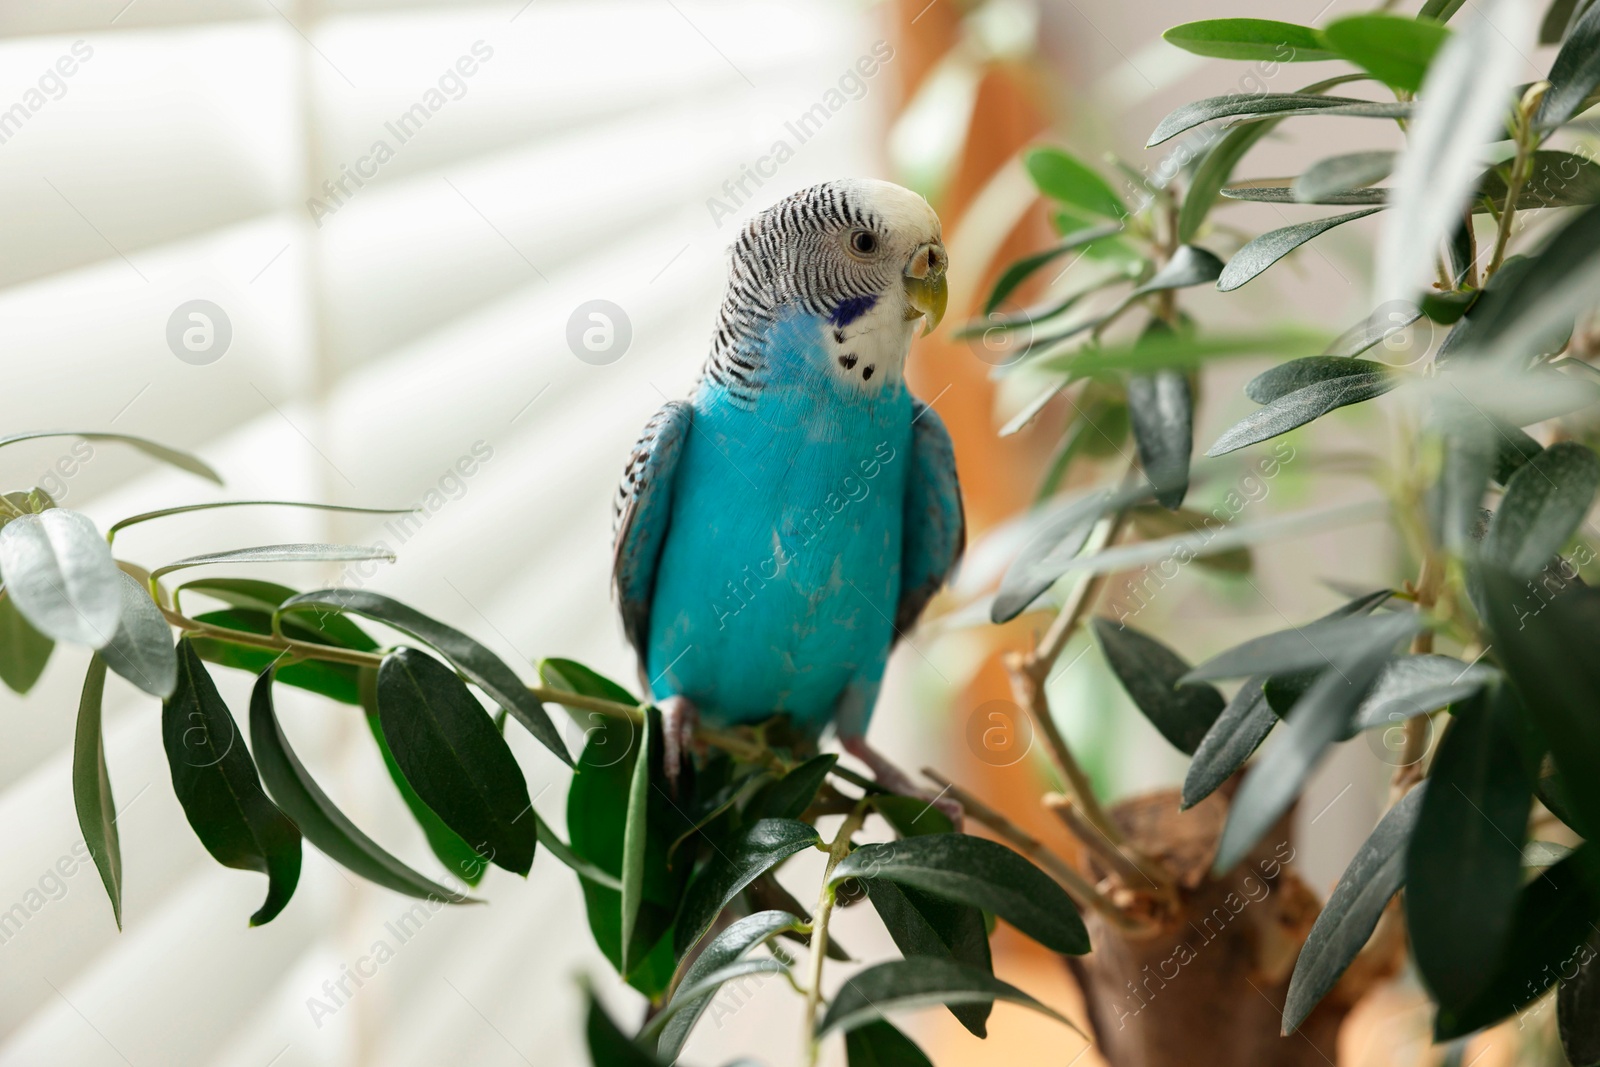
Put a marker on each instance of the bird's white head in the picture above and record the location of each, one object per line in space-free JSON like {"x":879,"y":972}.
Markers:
{"x":864,"y":258}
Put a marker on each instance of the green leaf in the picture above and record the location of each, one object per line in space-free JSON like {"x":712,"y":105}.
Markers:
{"x":1440,"y":10}
{"x":215,"y":780}
{"x":1555,"y":913}
{"x":1464,"y":863}
{"x":924,"y":925}
{"x":1249,"y":107}
{"x":791,"y":795}
{"x":1341,"y":174}
{"x":1463,"y":105}
{"x":1285,"y":378}
{"x":296,"y":553}
{"x":24,"y":651}
{"x":483,"y":668}
{"x":300,"y":798}
{"x":1236,"y":734}
{"x":1318,"y":719}
{"x":981,"y":873}
{"x":1544,"y":503}
{"x":902,"y":985}
{"x":1374,"y":875}
{"x":1064,"y":178}
{"x":1024,"y":268}
{"x":1547,"y":647}
{"x":1533,"y":308}
{"x":1303,"y":405}
{"x":455,"y":759}
{"x":1555,"y":179}
{"x":1396,"y":49}
{"x":1574,"y":74}
{"x":1578,"y":1010}
{"x":1190,"y":265}
{"x":1387,"y":320}
{"x":1262,"y":252}
{"x":634,"y":835}
{"x":1557,"y":18}
{"x":761,"y":847}
{"x":608,"y":1045}
{"x":879,"y":1044}
{"x":142,"y":650}
{"x":1150,"y":671}
{"x":574,"y":677}
{"x":1308,"y":647}
{"x":1161,"y":409}
{"x":1285,"y":194}
{"x":1415,"y":685}
{"x":182,"y":460}
{"x":1156,"y":523}
{"x":911,"y":816}
{"x":59,"y":574}
{"x":733,"y":944}
{"x":254,"y":595}
{"x":146,"y":516}
{"x":1048,"y":553}
{"x":458,"y":857}
{"x":91,"y":788}
{"x":1179,"y":349}
{"x":1251,"y":39}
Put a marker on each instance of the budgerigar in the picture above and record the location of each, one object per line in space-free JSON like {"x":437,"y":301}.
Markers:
{"x":778,"y":532}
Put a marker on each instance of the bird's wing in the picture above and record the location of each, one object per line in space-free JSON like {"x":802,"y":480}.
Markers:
{"x":935,"y":525}
{"x":643,"y":512}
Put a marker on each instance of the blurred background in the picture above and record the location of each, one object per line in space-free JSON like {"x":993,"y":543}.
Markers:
{"x":393,"y":218}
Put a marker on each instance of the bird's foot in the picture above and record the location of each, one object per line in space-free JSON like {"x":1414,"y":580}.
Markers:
{"x":679,"y":720}
{"x":895,"y":780}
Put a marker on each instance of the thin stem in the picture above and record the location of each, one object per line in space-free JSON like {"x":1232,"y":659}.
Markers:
{"x":837,"y":850}
{"x":1527,"y":139}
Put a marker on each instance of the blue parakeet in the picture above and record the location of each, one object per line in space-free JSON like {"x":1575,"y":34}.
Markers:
{"x":780,"y":531}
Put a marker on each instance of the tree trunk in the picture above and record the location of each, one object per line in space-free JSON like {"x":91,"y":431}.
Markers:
{"x":1205,"y":981}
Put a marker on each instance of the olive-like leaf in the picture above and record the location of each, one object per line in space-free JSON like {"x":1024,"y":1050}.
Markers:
{"x":608,"y":1045}
{"x":1161,"y":408}
{"x":791,"y":795}
{"x":1463,"y":103}
{"x":1024,"y":268}
{"x":1150,"y":671}
{"x":1285,"y":378}
{"x":264,"y":598}
{"x":1382,"y":324}
{"x":1262,"y":252}
{"x":1236,"y":734}
{"x":763,"y":846}
{"x":1317,"y":720}
{"x":1304,"y":405}
{"x":981,"y":873}
{"x":59,"y":574}
{"x":1558,"y":18}
{"x":1395,"y":48}
{"x":1247,"y":107}
{"x":142,"y":650}
{"x":1415,"y":685}
{"x":455,"y":759}
{"x":24,"y":651}
{"x":879,"y":1044}
{"x":294,"y":553}
{"x":182,"y":460}
{"x":1555,"y":913}
{"x":184,"y":509}
{"x":1251,"y":39}
{"x":733,"y":944}
{"x":218,"y":787}
{"x":1285,"y":194}
{"x":635,"y":834}
{"x":1544,"y":503}
{"x":924,"y":925}
{"x":1574,"y":74}
{"x":486,"y":670}
{"x":1464,"y":863}
{"x":1049,"y":552}
{"x":1374,"y":875}
{"x":339,"y":681}
{"x":1341,"y":174}
{"x":1309,"y":647}
{"x":91,"y":787}
{"x":902,"y":985}
{"x":311,"y":810}
{"x":1063,"y":177}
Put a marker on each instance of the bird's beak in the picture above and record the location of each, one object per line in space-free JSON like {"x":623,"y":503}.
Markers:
{"x":926,"y":289}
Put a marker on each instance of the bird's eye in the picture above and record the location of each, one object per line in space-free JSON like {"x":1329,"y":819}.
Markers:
{"x":864,"y":242}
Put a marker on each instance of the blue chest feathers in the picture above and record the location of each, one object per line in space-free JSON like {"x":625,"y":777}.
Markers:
{"x":780,"y":573}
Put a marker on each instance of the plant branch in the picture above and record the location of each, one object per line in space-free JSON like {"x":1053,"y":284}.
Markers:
{"x":837,"y":850}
